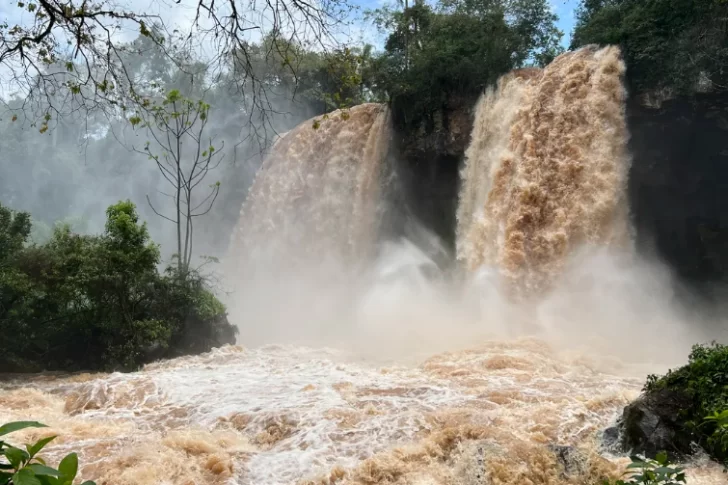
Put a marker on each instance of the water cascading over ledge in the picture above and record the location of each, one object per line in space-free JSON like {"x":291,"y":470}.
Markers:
{"x":546,"y":170}
{"x":318,"y":193}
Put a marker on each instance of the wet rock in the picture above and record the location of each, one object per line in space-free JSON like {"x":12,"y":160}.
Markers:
{"x":610,"y":439}
{"x":469,"y":466}
{"x":87,"y":397}
{"x":652,"y":424}
{"x":570,"y":458}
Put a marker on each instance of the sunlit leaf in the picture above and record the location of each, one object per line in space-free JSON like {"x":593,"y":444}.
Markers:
{"x":39,"y":445}
{"x":69,"y":466}
{"x":44,"y":470}
{"x":18,"y":425}
{"x":25,"y":477}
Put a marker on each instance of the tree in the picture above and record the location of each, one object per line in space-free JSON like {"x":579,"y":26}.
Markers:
{"x":678,"y":46}
{"x":178,"y":127}
{"x":14,"y":231}
{"x":455,"y":49}
{"x":69,"y":57}
{"x":98,"y":302}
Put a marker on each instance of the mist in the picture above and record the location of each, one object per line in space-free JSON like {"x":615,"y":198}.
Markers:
{"x":89,"y":160}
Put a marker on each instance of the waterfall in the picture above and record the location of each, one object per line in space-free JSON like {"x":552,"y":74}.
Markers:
{"x":317,"y":194}
{"x":546,"y":170}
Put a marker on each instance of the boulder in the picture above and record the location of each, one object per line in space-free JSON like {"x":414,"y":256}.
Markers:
{"x":610,"y":441}
{"x":572,"y":460}
{"x":653,"y":423}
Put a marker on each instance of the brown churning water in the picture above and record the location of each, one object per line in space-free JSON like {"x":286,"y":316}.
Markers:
{"x":546,"y":170}
{"x":318,"y":190}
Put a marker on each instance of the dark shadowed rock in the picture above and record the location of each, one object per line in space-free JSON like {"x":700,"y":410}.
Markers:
{"x":610,"y":439}
{"x":652,"y":424}
{"x":571,"y":459}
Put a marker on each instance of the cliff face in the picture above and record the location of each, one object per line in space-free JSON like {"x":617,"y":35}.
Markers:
{"x":678,"y":184}
{"x":427,"y":158}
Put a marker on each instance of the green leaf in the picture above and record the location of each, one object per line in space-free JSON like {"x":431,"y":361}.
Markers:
{"x":5,"y":478}
{"x":39,"y":445}
{"x":25,"y":477}
{"x":661,"y":458}
{"x":88,"y":482}
{"x":16,"y":456}
{"x":69,"y":466}
{"x":18,"y":425}
{"x":47,"y":480}
{"x":43,"y":470}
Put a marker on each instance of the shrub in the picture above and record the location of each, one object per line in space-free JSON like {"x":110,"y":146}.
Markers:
{"x":25,"y":467}
{"x":98,"y":302}
{"x":718,"y":439}
{"x":705,"y":381}
{"x":643,"y":471}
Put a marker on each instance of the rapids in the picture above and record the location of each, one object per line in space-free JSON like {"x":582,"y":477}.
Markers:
{"x":286,"y":414}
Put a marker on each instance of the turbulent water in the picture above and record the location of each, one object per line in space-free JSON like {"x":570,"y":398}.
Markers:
{"x":547,"y":169}
{"x":295,"y":415}
{"x":407,"y":378}
{"x":318,"y":190}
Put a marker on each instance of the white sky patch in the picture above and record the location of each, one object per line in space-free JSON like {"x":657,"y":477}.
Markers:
{"x":181,"y":16}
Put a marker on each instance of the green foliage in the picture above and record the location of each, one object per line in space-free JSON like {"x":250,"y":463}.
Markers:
{"x":14,"y":231}
{"x":456,"y":48}
{"x":41,"y":232}
{"x":98,"y":302}
{"x":676,"y":45}
{"x":324,"y":81}
{"x":643,"y":471}
{"x":705,"y":381}
{"x":718,"y":439}
{"x":25,"y":467}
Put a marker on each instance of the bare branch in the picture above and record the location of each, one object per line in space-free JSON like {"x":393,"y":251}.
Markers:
{"x":155,"y":211}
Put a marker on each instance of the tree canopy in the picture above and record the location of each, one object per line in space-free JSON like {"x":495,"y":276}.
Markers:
{"x":456,"y":48}
{"x":680,"y":46}
{"x":98,"y":302}
{"x":70,"y":55}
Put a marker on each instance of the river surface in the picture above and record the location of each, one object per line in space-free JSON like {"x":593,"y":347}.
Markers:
{"x":292,"y":414}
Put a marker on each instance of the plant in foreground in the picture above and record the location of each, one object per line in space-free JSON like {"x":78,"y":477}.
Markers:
{"x":719,"y":439}
{"x":644,"y":471}
{"x":25,"y":467}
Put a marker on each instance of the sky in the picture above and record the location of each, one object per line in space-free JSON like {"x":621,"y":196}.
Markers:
{"x":182,"y":13}
{"x":564,"y":9}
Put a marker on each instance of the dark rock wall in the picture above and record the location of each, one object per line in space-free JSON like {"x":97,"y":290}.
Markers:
{"x":678,"y":185}
{"x":428,"y":158}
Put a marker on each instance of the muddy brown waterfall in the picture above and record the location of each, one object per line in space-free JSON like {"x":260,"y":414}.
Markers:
{"x":317,"y":193}
{"x":546,"y":170}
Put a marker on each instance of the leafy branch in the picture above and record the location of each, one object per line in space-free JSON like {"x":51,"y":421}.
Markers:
{"x":25,"y":467}
{"x":184,"y":157}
